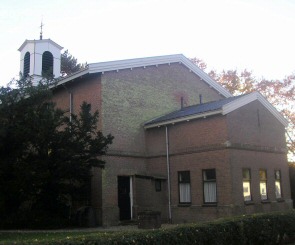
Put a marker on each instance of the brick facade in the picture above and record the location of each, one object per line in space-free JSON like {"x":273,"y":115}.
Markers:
{"x":227,"y":144}
{"x":249,"y":137}
{"x":263,"y":146}
{"x":130,"y":98}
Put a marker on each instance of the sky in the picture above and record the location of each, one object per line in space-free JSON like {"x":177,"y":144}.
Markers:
{"x":258,"y":35}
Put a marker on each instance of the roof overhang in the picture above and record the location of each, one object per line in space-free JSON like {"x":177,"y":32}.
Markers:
{"x":244,"y":100}
{"x":40,"y":41}
{"x":225,"y":109}
{"x":102,"y":67}
{"x":73,"y":76}
{"x":183,"y":119}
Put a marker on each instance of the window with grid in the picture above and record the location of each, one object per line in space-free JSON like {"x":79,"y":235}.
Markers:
{"x":263,"y":184}
{"x":209,"y":184}
{"x":278,"y":184}
{"x":184,"y":184}
{"x":247,"y":184}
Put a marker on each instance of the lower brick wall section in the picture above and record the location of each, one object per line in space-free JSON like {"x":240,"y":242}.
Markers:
{"x":228,"y":164}
{"x":254,"y":161}
{"x":193,"y":214}
{"x":199,"y":213}
{"x":110,"y":215}
{"x":265,"y":207}
{"x":147,"y":198}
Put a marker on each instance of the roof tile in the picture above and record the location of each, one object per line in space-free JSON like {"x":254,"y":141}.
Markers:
{"x":194,"y":110}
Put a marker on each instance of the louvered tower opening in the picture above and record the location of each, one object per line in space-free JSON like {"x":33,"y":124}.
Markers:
{"x":26,"y":70}
{"x":47,"y":64}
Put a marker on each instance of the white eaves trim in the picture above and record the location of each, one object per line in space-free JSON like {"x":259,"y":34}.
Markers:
{"x":204,"y":76}
{"x":149,"y":61}
{"x":244,"y":100}
{"x":183,"y":119}
{"x":39,"y":41}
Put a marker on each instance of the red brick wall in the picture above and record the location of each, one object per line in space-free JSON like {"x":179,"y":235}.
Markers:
{"x":245,"y":126}
{"x":266,"y":137}
{"x":255,"y":161}
{"x":193,"y":146}
{"x":147,"y":198}
{"x":188,"y":136}
{"x":87,"y":89}
{"x":128,"y":98}
{"x":200,"y":144}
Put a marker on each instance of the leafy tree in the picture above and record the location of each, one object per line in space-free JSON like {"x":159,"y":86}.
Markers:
{"x":45,"y":157}
{"x":281,"y":93}
{"x":69,"y":64}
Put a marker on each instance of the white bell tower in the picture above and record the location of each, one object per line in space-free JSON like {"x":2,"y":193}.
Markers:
{"x":39,"y":58}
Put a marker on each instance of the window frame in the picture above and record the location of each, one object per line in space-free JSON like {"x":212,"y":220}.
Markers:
{"x":263,"y":180}
{"x":279,"y":180}
{"x":185,"y":181}
{"x":209,"y":181}
{"x":247,"y":180}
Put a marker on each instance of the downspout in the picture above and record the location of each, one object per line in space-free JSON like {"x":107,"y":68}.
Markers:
{"x":131,"y":196}
{"x":71,"y":105}
{"x":70,"y":101}
{"x":168,"y":175}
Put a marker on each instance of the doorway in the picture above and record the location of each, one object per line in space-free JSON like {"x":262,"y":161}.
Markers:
{"x":125,"y":197}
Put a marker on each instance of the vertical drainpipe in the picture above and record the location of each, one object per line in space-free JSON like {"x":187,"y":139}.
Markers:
{"x":168,"y":175}
{"x":71,"y":105}
{"x":131,"y":196}
{"x":70,"y":101}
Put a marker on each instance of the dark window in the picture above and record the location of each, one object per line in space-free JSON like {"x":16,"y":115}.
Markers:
{"x":27,"y":64}
{"x":184,"y":184}
{"x":209,"y":183}
{"x":158,"y":185}
{"x":247,"y":184}
{"x":47,"y":64}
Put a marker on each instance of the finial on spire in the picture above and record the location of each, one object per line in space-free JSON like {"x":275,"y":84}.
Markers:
{"x":41,"y":32}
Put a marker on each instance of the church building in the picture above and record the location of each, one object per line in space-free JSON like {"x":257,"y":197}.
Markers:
{"x":183,"y":144}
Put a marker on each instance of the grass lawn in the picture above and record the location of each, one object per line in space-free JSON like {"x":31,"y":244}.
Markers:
{"x":45,"y":237}
{"x":52,"y":237}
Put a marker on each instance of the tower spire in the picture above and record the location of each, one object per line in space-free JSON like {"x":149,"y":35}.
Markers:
{"x":41,"y":32}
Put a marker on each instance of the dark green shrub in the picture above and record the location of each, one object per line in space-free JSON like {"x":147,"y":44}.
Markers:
{"x":264,"y":229}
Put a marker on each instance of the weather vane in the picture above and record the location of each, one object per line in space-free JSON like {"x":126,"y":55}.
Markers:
{"x":41,"y":32}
